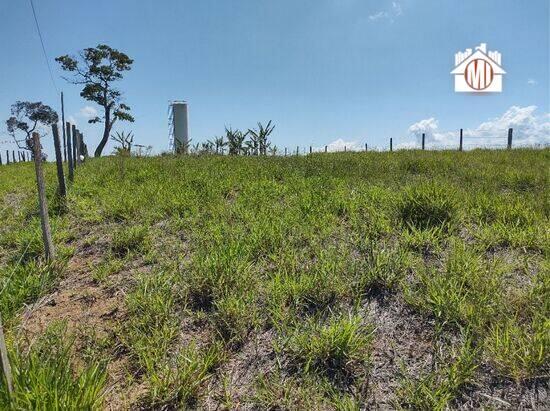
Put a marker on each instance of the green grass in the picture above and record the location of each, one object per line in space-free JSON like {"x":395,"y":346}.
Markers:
{"x":44,"y":377}
{"x":296,"y":247}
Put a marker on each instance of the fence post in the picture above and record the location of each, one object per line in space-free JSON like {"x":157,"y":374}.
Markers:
{"x":423,"y":141}
{"x":510,"y":131}
{"x":285,"y":151}
{"x":345,"y":149}
{"x":69,"y":151}
{"x":391,"y":144}
{"x":78,"y":148}
{"x":310,"y":150}
{"x":63,"y":127}
{"x":460,"y":147}
{"x":74,"y":145}
{"x":0,"y":159}
{"x":297,"y":150}
{"x":326,"y":149}
{"x":13,"y":156}
{"x":366,"y":147}
{"x":5,"y":360}
{"x":59,"y":162}
{"x":46,"y":233}
{"x":7,"y":157}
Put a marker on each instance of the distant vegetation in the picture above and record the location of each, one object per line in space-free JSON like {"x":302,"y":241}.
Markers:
{"x":253,"y":142}
{"x":410,"y":279}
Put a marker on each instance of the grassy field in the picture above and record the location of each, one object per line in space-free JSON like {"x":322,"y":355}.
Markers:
{"x":415,"y":280}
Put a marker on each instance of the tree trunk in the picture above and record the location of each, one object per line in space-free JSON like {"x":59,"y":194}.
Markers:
{"x":106,"y":132}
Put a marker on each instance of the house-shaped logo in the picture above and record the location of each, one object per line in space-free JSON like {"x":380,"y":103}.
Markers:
{"x":478,"y":71}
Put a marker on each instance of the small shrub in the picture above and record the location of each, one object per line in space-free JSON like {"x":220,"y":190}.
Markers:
{"x":427,"y":205}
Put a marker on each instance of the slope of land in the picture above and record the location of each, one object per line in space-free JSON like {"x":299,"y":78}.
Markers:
{"x":332,"y":281}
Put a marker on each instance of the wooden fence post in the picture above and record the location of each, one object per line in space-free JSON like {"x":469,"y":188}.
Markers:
{"x":510,"y":131}
{"x":285,"y":151}
{"x":13,"y":155}
{"x":7,"y":157}
{"x":69,"y":152}
{"x":5,"y":360}
{"x":63,"y":127}
{"x":366,"y":147}
{"x":74,"y":144}
{"x":59,"y":162}
{"x":0,"y":159}
{"x":391,"y":144}
{"x":49,"y":250}
{"x":460,"y":146}
{"x":423,"y":141}
{"x":326,"y":149}
{"x":78,"y":146}
{"x":297,"y":150}
{"x":345,"y":149}
{"x":310,"y":150}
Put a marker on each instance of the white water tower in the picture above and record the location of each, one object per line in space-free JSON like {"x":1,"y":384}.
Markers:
{"x":179,"y":126}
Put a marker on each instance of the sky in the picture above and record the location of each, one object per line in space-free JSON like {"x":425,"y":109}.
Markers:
{"x":326,"y":72}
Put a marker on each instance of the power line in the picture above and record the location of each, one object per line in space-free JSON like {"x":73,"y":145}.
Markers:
{"x":43,"y":48}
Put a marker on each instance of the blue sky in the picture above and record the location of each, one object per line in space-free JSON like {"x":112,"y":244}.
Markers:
{"x":322,"y":70}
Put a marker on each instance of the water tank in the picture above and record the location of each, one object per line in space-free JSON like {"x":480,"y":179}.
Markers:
{"x":180,"y":126}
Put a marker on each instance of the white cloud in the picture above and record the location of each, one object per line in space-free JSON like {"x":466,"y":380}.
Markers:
{"x":395,"y":11}
{"x":379,"y":15}
{"x":529,"y":129}
{"x":532,"y":82}
{"x":340,"y":145}
{"x":88,"y":112}
{"x":396,"y":8}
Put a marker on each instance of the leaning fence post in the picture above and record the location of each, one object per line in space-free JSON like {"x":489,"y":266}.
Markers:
{"x":59,"y":161}
{"x":391,"y":144}
{"x":510,"y":131}
{"x":423,"y":141}
{"x":44,"y":220}
{"x":5,"y":359}
{"x":69,"y":151}
{"x":460,"y":147}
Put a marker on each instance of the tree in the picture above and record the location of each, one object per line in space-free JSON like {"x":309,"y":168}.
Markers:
{"x":26,"y":117}
{"x":259,"y":138}
{"x":235,"y":140}
{"x":97,"y":68}
{"x":220,"y":144}
{"x":125,"y":140}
